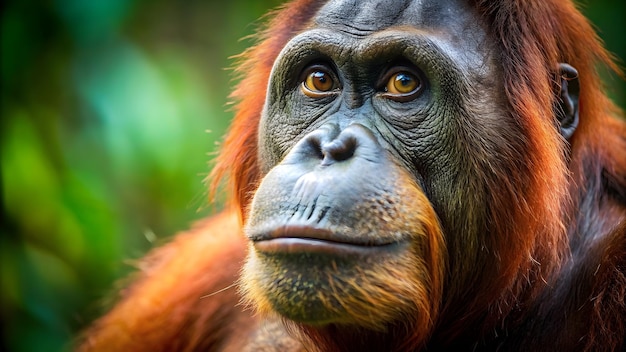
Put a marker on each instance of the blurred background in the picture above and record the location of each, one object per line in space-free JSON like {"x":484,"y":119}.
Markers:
{"x":111,"y":110}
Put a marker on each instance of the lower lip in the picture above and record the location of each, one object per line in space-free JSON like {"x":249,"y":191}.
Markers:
{"x":296,"y":245}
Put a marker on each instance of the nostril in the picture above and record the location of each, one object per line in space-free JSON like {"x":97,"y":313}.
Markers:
{"x":311,"y":148}
{"x":340,"y":149}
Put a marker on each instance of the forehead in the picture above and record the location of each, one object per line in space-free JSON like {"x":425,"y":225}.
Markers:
{"x":452,"y":26}
{"x":362,"y":16}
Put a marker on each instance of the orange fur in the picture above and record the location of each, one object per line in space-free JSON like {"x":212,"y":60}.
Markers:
{"x":184,"y":297}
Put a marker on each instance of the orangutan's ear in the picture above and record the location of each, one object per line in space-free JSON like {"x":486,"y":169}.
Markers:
{"x":567,"y":105}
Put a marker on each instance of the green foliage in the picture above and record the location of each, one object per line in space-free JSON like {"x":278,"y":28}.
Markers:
{"x":105,"y":111}
{"x":106,"y":106}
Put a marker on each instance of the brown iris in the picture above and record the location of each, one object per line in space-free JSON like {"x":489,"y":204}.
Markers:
{"x":318,"y":82}
{"x":402,"y":83}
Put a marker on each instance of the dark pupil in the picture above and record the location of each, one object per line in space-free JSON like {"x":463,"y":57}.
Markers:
{"x":320,"y":76}
{"x":404,"y":79}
